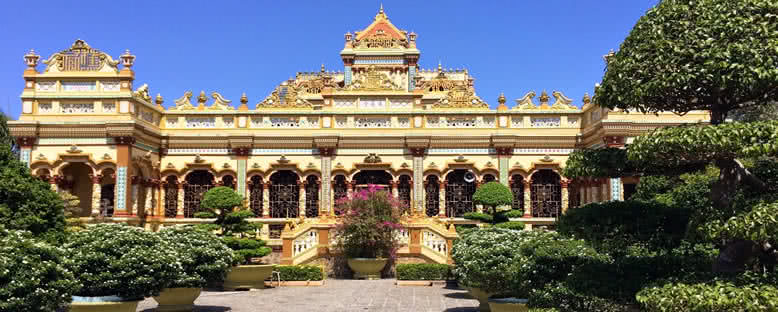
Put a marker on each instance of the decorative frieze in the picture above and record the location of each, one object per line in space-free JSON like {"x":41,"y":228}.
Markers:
{"x":341,"y":122}
{"x":76,"y":141}
{"x":372,"y":103}
{"x":171,"y":121}
{"x":400,"y":103}
{"x":78,"y":86}
{"x":434,"y":121}
{"x":284,"y":151}
{"x":310,"y":122}
{"x":545,"y":122}
{"x":200,"y":122}
{"x":344,"y":103}
{"x":110,"y":85}
{"x":109,"y":107}
{"x":572,"y":121}
{"x":543,"y":151}
{"x":229,"y":122}
{"x":488,"y":122}
{"x":45,"y":108}
{"x":373,"y":122}
{"x":78,"y":108}
{"x":46,"y":86}
{"x":517,"y":121}
{"x":456,"y":151}
{"x":284,"y":122}
{"x":461,"y":122}
{"x":192,"y":151}
{"x":147,"y":116}
{"x":403,"y":122}
{"x":121,"y":188}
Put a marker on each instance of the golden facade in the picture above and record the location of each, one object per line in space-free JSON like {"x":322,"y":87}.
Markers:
{"x":425,"y":134}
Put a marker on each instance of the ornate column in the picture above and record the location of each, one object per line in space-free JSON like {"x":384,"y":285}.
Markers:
{"x":180,"y":204}
{"x":503,"y":157}
{"x":326,"y":197}
{"x":394,"y":188}
{"x":148,"y":206}
{"x":162,"y":198}
{"x":442,"y":199}
{"x":350,"y":188}
{"x":527,"y":199}
{"x":266,"y":199}
{"x":331,"y":212}
{"x":604,"y":190}
{"x":96,"y":194}
{"x":565,"y":195}
{"x":134,"y":180}
{"x":26,"y":144}
{"x":478,"y":207}
{"x":418,"y":179}
{"x":616,"y":188}
{"x":123,"y":174}
{"x":54,"y":181}
{"x":242,"y":156}
{"x":301,"y":201}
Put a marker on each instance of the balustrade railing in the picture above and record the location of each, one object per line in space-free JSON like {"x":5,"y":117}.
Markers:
{"x":435,"y":242}
{"x":305,"y":242}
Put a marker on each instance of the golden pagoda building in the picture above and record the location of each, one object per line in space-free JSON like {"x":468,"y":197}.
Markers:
{"x":88,"y":128}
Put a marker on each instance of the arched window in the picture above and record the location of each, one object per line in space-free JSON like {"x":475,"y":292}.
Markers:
{"x":107,"y":191}
{"x":517,"y":187}
{"x":256,"y":188}
{"x":284,"y":195}
{"x":372,"y":177}
{"x":404,"y":192}
{"x":78,"y":183}
{"x":432,"y":189}
{"x":171,"y":197}
{"x":489,"y":178}
{"x":339,"y":190}
{"x":546,"y":194}
{"x":312,"y":196}
{"x":197,"y":183}
{"x":459,"y":194}
{"x":574,"y":194}
{"x":228,"y":181}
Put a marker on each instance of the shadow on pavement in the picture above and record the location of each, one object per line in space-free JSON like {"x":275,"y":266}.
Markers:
{"x":200,"y":308}
{"x":473,"y":309}
{"x":458,"y":295}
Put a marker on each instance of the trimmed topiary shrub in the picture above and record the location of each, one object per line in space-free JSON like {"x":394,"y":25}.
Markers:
{"x":511,"y":225}
{"x":493,"y":194}
{"x":33,"y":276}
{"x":300,"y":272}
{"x":204,"y":257}
{"x":423,"y":271}
{"x":563,"y":299}
{"x":485,"y":258}
{"x":513,"y":213}
{"x":717,"y":296}
{"x":221,"y":198}
{"x":119,"y":260}
{"x":237,"y":232}
{"x":479,"y":216}
{"x":246,"y":249}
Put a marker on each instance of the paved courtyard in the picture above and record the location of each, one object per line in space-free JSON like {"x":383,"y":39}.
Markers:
{"x":335,"y":295}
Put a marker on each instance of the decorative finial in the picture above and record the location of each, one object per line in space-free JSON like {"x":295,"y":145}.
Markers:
{"x":159,"y":100}
{"x":202,"y":98}
{"x":381,"y":10}
{"x":501,"y":99}
{"x":587,"y":99}
{"x":127,"y":59}
{"x":31,"y":58}
{"x":440,"y":66}
{"x":244,"y":99}
{"x":322,"y":68}
{"x":544,"y":97}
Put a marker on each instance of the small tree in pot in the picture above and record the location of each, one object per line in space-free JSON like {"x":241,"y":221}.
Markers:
{"x":365,"y":233}
{"x":118,"y":265}
{"x":205,"y":260}
{"x":240,"y":236}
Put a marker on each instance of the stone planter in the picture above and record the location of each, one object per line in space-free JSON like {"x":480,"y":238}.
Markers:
{"x":482,"y":297}
{"x":248,"y":276}
{"x":177,"y":299}
{"x":508,"y":305}
{"x":103,"y":304}
{"x":367,"y":268}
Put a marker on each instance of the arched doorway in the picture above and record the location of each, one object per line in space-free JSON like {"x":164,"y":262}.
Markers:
{"x":197,"y":183}
{"x":404,"y":193}
{"x":228,"y":181}
{"x":284,"y":195}
{"x":339,"y":191}
{"x":432,"y":189}
{"x":107,"y":191}
{"x":459,"y":194}
{"x":171,"y":196}
{"x":488,"y":178}
{"x":77,"y":182}
{"x":372,"y":177}
{"x":517,"y":188}
{"x":256,"y":195}
{"x":312,"y":196}
{"x":546,"y":194}
{"x":139,"y":185}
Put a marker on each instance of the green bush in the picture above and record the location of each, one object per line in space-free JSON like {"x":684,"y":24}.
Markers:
{"x":33,"y":276}
{"x":119,"y":260}
{"x":479,"y":217}
{"x":513,"y":213}
{"x":423,"y":271}
{"x":300,"y":272}
{"x":717,"y":296}
{"x":615,"y":225}
{"x":204,"y":257}
{"x":558,"y":297}
{"x":485,"y":258}
{"x":245,"y":249}
{"x":220,"y":199}
{"x":493,"y":194}
{"x":26,"y":202}
{"x":511,"y":225}
{"x":205,"y":215}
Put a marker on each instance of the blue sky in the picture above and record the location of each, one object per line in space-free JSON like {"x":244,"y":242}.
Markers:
{"x":233,"y":47}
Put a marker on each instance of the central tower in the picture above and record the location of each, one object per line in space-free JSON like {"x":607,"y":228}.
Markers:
{"x":381,"y":48}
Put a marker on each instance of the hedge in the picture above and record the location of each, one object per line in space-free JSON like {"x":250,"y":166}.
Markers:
{"x":300,"y":272}
{"x":709,"y":297}
{"x":423,"y":271}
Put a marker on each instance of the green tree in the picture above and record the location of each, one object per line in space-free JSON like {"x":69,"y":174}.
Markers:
{"x":492,"y":195}
{"x":26,"y":202}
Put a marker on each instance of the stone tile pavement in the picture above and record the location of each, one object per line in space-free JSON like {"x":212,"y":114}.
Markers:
{"x":335,"y":296}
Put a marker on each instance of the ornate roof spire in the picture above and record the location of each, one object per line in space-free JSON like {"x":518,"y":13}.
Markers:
{"x":322,"y":67}
{"x":501,"y":100}
{"x":381,"y":10}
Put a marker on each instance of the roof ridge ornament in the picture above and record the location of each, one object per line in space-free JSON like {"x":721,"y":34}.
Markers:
{"x":183,"y":103}
{"x":81,"y":57}
{"x":220,"y":103}
{"x":561,"y":101}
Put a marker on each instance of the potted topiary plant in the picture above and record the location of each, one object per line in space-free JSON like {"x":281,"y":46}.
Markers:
{"x":240,"y":236}
{"x":485,"y":262}
{"x":205,"y":260}
{"x":117,"y":266}
{"x":33,"y":277}
{"x":365,"y":231}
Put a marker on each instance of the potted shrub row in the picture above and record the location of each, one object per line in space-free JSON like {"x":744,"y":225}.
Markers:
{"x":366,"y":231}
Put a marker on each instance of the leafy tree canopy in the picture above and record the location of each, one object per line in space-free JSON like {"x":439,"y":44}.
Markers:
{"x":493,"y":194}
{"x":686,"y":55}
